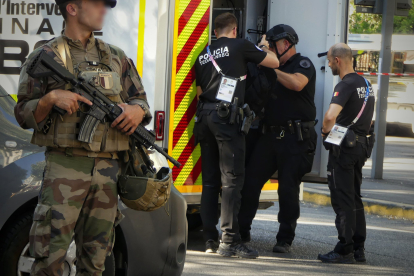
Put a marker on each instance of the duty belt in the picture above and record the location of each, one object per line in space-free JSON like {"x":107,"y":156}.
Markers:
{"x":361,"y":139}
{"x":225,"y":110}
{"x":289,"y":127}
{"x":207,"y":106}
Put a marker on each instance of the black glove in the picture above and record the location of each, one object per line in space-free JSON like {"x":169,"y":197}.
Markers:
{"x":328,"y":146}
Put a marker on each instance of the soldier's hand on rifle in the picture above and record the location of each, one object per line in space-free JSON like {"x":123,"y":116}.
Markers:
{"x":67,"y":100}
{"x":63,"y":99}
{"x":130,"y":119}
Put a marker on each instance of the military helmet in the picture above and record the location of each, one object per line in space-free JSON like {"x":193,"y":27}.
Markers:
{"x":144,"y":193}
{"x":282,"y":31}
{"x":141,"y":190}
{"x":110,"y":3}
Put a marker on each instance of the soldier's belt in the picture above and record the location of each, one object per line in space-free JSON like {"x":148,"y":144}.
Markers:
{"x":85,"y":153}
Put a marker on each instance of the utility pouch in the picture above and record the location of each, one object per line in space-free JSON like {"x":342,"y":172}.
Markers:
{"x":40,"y":232}
{"x":371,"y":143}
{"x":350,"y":139}
{"x":291,"y":127}
{"x":298,"y":125}
{"x":234,"y":112}
{"x":306,"y":129}
{"x":223,"y":110}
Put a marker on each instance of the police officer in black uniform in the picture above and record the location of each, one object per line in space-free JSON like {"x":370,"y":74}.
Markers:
{"x":352,"y":106}
{"x":289,"y":140}
{"x":220,"y":78}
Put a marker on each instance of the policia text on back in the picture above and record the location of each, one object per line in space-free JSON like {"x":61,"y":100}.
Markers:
{"x":222,"y":121}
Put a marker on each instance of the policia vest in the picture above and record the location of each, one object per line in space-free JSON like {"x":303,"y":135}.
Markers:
{"x":105,"y":76}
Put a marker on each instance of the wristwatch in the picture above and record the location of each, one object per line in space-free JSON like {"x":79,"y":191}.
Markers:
{"x":325,"y":133}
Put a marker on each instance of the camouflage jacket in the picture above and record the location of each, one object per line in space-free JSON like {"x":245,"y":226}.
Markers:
{"x":31,"y":90}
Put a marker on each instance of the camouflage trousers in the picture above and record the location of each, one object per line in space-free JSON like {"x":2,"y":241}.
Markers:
{"x":79,"y":200}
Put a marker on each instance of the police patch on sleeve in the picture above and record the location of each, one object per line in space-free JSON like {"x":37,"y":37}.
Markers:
{"x":304,"y":63}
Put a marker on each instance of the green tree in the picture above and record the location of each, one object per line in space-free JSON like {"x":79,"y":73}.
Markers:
{"x":365,"y":23}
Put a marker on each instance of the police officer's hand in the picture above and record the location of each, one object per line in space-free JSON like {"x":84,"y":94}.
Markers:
{"x":129,"y":120}
{"x":66,"y":100}
{"x":264,"y":42}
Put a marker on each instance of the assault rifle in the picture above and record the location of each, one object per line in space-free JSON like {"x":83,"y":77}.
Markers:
{"x":103,"y":109}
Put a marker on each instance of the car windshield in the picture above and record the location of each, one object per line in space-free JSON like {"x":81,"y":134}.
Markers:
{"x":14,"y":141}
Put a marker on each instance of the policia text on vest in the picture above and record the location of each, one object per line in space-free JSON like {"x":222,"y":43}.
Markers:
{"x":220,"y":78}
{"x":351,"y":110}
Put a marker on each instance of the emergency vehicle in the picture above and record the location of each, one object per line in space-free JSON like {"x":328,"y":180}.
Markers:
{"x":164,"y":38}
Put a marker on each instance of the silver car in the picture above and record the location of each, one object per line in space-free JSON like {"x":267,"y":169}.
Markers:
{"x":152,"y":243}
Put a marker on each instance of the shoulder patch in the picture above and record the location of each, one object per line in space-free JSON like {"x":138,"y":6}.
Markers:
{"x":304,"y":63}
{"x":258,"y":48}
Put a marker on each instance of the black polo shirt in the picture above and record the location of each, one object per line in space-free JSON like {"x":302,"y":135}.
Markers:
{"x":232,"y":55}
{"x":288,"y":105}
{"x":350,"y":94}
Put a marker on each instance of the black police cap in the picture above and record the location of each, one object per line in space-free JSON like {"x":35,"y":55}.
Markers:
{"x":282,"y":31}
{"x":111,"y":3}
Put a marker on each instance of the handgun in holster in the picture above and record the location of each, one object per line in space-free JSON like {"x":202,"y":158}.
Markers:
{"x":249,"y":117}
{"x":234,"y":109}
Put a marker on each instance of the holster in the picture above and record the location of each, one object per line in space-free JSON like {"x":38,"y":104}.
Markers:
{"x":306,"y":128}
{"x":370,"y":144}
{"x":248,"y":119}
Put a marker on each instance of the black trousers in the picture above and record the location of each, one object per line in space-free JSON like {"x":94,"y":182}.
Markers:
{"x":251,"y":141}
{"x":223,"y":158}
{"x":345,"y":178}
{"x":292,"y":160}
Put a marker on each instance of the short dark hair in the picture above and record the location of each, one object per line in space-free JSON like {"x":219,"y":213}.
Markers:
{"x":62,"y":7}
{"x":342,"y":51}
{"x":225,"y":22}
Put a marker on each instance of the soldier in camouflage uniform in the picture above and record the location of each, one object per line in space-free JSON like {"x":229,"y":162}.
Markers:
{"x":79,"y":198}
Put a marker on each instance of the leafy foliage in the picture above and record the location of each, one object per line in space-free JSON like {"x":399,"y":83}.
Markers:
{"x":364,"y":23}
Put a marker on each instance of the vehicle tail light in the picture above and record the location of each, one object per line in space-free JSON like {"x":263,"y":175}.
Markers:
{"x":159,"y":125}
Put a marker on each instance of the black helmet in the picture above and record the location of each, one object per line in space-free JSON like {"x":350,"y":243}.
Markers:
{"x":110,"y":3}
{"x":281,"y":31}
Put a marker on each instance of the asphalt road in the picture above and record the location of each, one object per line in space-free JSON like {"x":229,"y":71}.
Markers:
{"x":389,"y":248}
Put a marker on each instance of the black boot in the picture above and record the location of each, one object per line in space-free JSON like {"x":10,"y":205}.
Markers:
{"x":281,"y":247}
{"x":238,"y":249}
{"x":211,"y":246}
{"x":333,"y":257}
{"x":359,"y":255}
